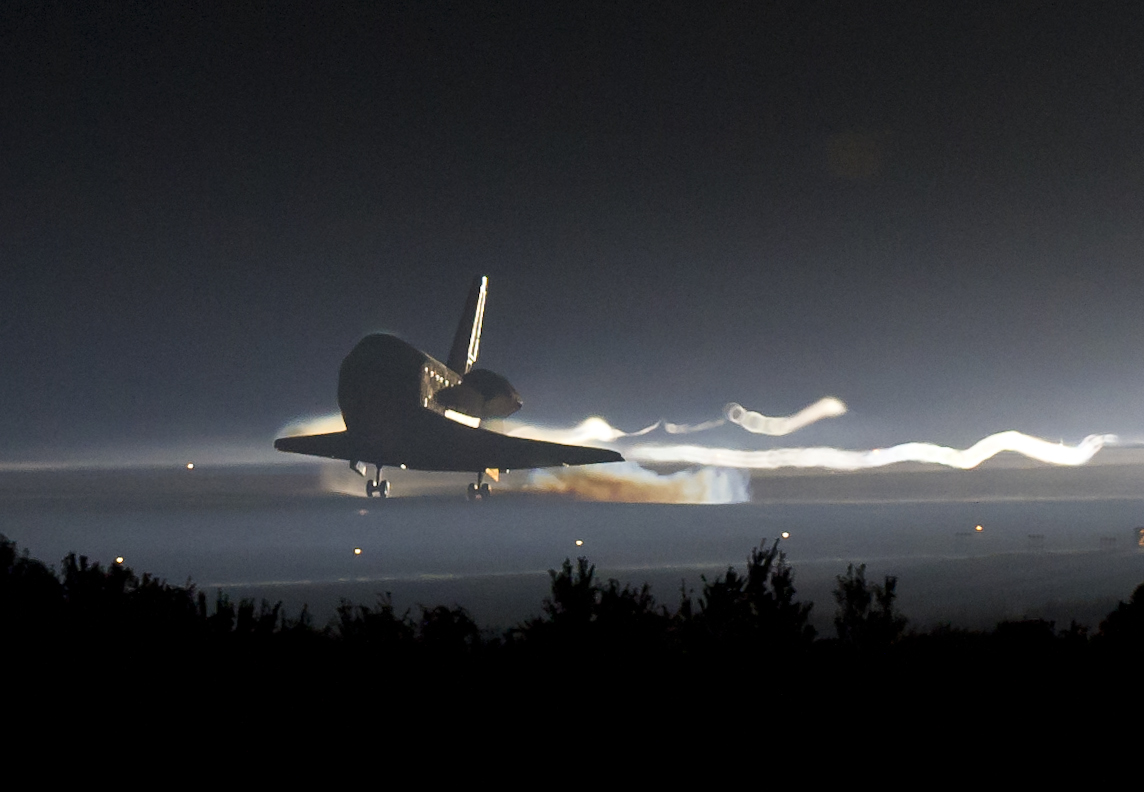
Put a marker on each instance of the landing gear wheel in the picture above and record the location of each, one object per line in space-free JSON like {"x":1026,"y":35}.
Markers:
{"x":483,"y":491}
{"x":380,"y":488}
{"x":472,"y":492}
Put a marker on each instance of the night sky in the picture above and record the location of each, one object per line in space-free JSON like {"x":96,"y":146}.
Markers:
{"x":934,"y":212}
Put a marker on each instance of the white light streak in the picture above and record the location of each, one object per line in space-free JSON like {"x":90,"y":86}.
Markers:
{"x":597,"y":431}
{"x":671,"y":428}
{"x":758,"y":423}
{"x":840,"y":459}
{"x":461,"y":418}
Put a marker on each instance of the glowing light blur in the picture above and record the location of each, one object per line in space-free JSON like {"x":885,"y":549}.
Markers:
{"x":321,"y":424}
{"x":758,"y":423}
{"x":839,"y":459}
{"x":590,"y":430}
{"x":461,"y":418}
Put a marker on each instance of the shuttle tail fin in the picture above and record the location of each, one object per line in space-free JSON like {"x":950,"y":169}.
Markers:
{"x":467,"y":341}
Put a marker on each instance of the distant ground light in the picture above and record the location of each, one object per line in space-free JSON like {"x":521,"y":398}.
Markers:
{"x":979,"y":529}
{"x":190,"y":466}
{"x":357,"y":551}
{"x":579,"y":542}
{"x":119,"y":559}
{"x":785,"y":534}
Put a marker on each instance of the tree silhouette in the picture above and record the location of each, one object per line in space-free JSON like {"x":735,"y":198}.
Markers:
{"x":574,"y":593}
{"x":1123,"y":628}
{"x":31,"y":597}
{"x":447,"y":632}
{"x":748,"y":613}
{"x":375,"y":628}
{"x":866,"y":618}
{"x":583,"y":617}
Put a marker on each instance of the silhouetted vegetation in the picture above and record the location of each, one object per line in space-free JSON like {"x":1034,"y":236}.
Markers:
{"x":100,"y":623}
{"x":1123,"y":629}
{"x":865,"y":618}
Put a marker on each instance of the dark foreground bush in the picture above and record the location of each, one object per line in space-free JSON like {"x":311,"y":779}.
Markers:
{"x":105,"y":631}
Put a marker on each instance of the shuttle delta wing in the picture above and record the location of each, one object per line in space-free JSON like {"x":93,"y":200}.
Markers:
{"x":447,"y":445}
{"x":434,"y":442}
{"x":336,"y":445}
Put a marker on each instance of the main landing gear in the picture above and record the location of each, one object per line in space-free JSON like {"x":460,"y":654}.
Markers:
{"x":379,"y":487}
{"x":375,"y":486}
{"x":478,"y":491}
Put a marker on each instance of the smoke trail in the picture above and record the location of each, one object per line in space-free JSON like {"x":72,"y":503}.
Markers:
{"x":627,"y":482}
{"x":777,"y":427}
{"x":839,"y":459}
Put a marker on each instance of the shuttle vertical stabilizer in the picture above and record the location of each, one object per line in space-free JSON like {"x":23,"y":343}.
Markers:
{"x":467,"y":341}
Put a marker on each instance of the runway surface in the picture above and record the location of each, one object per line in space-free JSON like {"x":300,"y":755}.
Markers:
{"x":1054,"y":543}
